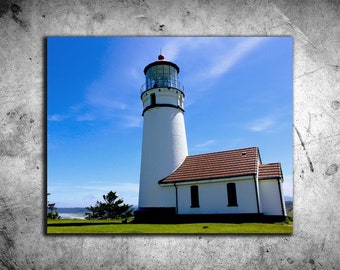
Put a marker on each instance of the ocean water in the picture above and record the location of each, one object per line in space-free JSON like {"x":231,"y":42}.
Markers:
{"x":75,"y":212}
{"x":72,"y":213}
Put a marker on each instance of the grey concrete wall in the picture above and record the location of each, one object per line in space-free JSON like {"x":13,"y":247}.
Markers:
{"x":315,"y":26}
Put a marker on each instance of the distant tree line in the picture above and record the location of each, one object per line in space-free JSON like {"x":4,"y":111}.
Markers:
{"x":52,"y":210}
{"x":289,"y":205}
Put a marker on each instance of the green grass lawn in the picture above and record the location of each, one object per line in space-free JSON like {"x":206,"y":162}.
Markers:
{"x":72,"y":226}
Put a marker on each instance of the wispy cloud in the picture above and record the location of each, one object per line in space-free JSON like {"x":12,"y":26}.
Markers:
{"x":261,"y":124}
{"x":230,"y":59}
{"x":77,"y":116}
{"x":176,"y":46}
{"x":205,"y":144}
{"x":102,"y":95}
{"x":222,"y":58}
{"x":172,"y":48}
{"x":112,"y":98}
{"x":85,"y":117}
{"x":57,"y":117}
{"x":131,"y":121}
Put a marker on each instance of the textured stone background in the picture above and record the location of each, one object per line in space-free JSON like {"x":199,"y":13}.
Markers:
{"x":315,"y":26}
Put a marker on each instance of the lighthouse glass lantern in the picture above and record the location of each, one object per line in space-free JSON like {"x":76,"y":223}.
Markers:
{"x":162,"y":74}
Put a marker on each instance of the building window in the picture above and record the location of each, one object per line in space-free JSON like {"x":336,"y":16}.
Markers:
{"x":231,"y":190}
{"x":153,"y":99}
{"x":194,"y":196}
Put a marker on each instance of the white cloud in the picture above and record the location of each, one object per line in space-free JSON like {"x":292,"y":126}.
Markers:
{"x":85,"y":117}
{"x":227,"y":61}
{"x":172,"y":48}
{"x":135,"y":74}
{"x":56,"y":117}
{"x":262,"y":124}
{"x":175,"y":46}
{"x":73,"y":116}
{"x":77,"y":108}
{"x":133,"y":121}
{"x":205,"y":144}
{"x":103,"y":97}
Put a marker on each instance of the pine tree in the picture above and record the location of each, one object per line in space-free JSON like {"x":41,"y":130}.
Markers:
{"x":112,"y":208}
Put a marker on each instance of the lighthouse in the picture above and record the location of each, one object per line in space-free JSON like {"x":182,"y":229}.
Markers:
{"x":164,"y":145}
{"x":225,"y":186}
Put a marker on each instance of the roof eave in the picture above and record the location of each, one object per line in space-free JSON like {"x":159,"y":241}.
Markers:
{"x":204,"y":179}
{"x":271,"y":178}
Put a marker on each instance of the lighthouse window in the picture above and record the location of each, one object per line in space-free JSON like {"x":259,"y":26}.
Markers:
{"x":180,"y":101}
{"x":231,"y":190}
{"x":153,"y":99}
{"x":194,"y":196}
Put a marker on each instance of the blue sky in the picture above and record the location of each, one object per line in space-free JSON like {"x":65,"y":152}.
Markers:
{"x":238,"y":93}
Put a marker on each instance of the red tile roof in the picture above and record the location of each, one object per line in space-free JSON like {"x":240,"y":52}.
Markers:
{"x":224,"y":164}
{"x":270,"y":170}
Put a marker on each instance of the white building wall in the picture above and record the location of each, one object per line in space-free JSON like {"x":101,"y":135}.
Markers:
{"x":283,"y":199}
{"x":270,"y":197}
{"x":164,"y":147}
{"x":213,"y":198}
{"x":167,"y":196}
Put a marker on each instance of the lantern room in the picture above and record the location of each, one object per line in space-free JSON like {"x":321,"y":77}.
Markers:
{"x":161,"y":74}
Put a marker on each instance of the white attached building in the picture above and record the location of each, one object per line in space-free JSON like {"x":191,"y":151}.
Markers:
{"x":224,"y":186}
{"x":231,"y":182}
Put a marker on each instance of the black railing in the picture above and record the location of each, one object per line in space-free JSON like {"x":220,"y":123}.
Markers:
{"x":162,"y":83}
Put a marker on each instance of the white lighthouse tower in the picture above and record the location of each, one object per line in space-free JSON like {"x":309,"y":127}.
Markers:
{"x":164,"y":146}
